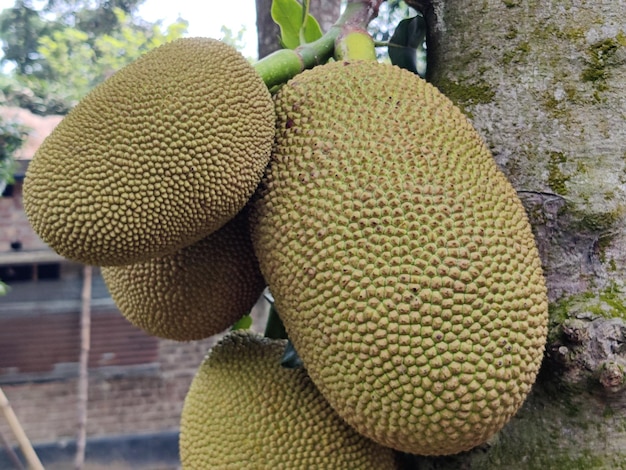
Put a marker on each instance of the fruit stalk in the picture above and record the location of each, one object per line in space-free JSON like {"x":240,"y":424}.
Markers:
{"x":277,"y":68}
{"x":355,"y":43}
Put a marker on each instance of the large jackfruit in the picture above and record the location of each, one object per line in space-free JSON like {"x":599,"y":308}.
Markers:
{"x":244,"y":411}
{"x":197,"y":292}
{"x":400,"y":258}
{"x":157,"y":157}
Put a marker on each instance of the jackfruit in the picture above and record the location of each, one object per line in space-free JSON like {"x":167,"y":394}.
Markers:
{"x":400,"y":259}
{"x":194,"y":293}
{"x":155,"y":158}
{"x":244,"y":410}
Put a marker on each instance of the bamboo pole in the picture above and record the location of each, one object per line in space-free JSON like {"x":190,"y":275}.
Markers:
{"x":17,"y":463}
{"x":83,"y":377}
{"x":27,"y":449}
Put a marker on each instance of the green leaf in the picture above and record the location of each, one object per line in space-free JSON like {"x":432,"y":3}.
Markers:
{"x":287,"y":14}
{"x":311,"y":31}
{"x":244,"y":323}
{"x":406,"y":42}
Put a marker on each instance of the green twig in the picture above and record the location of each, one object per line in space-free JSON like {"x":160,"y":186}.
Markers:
{"x":277,"y":68}
{"x":305,"y":14}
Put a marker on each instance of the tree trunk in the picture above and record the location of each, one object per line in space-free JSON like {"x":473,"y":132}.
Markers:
{"x":325,"y":11}
{"x":544,"y":82}
{"x":268,"y":32}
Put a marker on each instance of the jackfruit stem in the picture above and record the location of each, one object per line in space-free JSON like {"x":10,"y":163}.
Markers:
{"x":355,"y":44}
{"x":282,"y":65}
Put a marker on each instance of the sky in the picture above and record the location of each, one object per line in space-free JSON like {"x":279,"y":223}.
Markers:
{"x":205,"y":17}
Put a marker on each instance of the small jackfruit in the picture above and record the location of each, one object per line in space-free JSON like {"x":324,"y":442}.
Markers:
{"x":400,"y":259}
{"x":157,"y":157}
{"x":194,"y":293}
{"x":244,"y":410}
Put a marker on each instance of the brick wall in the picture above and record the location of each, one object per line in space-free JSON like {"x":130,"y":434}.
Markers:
{"x":139,"y":402}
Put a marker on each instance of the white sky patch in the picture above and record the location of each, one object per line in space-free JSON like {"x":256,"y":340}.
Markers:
{"x":205,"y":18}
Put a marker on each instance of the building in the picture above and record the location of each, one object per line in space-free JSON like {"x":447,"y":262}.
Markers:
{"x":137,"y":383}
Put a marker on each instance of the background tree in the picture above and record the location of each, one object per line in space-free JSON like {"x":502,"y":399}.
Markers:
{"x":73,"y":57}
{"x":20,"y":30}
{"x":66,"y":48}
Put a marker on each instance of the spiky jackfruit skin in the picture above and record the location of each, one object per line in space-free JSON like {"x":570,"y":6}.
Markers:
{"x":244,"y":410}
{"x":194,"y":293}
{"x":400,"y":258}
{"x":155,"y":158}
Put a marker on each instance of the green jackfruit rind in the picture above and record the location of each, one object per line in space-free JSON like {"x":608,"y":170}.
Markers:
{"x":244,"y":410}
{"x":155,"y":158}
{"x":197,"y":292}
{"x":400,"y":258}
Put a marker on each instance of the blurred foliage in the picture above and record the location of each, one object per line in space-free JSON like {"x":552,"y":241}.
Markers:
{"x":390,"y":14}
{"x":26,"y":22}
{"x":58,"y":52}
{"x":234,"y":39}
{"x":383,"y":27}
{"x":74,"y":59}
{"x":12,"y":136}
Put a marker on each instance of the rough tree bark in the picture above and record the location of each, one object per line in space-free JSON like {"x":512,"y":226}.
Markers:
{"x":325,"y":11}
{"x":544,"y":82}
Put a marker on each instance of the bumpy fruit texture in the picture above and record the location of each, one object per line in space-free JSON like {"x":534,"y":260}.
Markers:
{"x":194,"y":293}
{"x":400,"y":258}
{"x":157,"y":157}
{"x":243,"y":411}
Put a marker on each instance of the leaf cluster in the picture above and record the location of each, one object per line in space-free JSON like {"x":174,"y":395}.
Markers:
{"x":297,"y":25}
{"x":12,"y":136}
{"x":62,"y":51}
{"x":397,"y":28}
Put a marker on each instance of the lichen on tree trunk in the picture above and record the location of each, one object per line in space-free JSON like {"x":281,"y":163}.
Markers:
{"x":544,"y":82}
